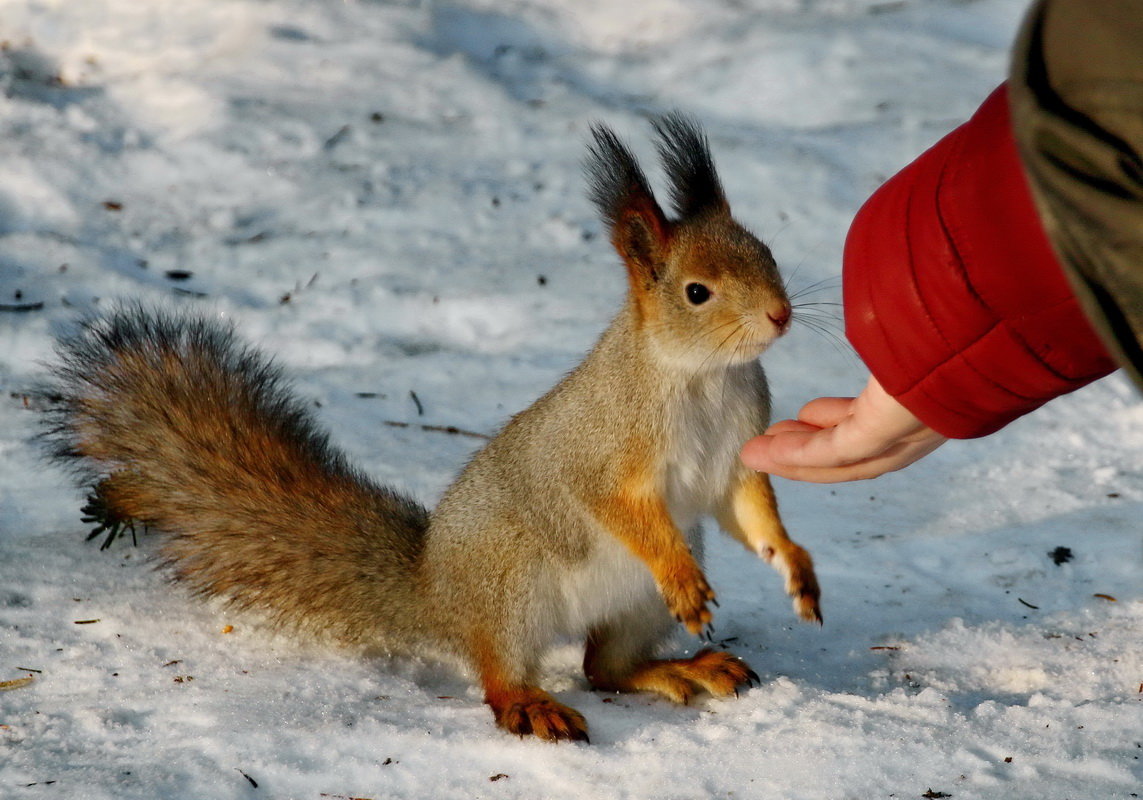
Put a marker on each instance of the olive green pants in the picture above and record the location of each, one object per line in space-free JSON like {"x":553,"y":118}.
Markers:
{"x":1076,"y":92}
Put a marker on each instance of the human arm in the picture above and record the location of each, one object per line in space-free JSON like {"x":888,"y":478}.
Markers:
{"x":956,"y":302}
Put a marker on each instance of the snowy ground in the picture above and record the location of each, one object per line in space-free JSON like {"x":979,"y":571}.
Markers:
{"x":387,"y":195}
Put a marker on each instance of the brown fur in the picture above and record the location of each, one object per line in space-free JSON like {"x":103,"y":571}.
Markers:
{"x":198,"y":440}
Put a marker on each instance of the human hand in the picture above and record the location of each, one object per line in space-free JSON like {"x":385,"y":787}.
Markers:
{"x":837,"y":439}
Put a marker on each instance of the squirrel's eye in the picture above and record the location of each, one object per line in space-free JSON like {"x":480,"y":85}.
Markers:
{"x":697,"y":293}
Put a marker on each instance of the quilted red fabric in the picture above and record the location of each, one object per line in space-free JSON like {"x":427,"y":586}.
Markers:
{"x":953,"y":295}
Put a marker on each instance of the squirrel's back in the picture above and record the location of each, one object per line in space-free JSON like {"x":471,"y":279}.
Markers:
{"x":190,"y":432}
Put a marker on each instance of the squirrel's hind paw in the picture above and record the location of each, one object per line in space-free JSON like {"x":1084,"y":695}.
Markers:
{"x":717,"y":673}
{"x":533,"y":712}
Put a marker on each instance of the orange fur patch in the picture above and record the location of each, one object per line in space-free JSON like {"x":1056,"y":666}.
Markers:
{"x":714,"y":672}
{"x":637,"y":515}
{"x":752,"y":518}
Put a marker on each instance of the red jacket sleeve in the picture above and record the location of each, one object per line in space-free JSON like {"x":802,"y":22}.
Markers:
{"x":953,"y":296}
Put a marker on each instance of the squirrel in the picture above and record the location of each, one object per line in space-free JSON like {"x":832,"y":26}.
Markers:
{"x":577,"y":520}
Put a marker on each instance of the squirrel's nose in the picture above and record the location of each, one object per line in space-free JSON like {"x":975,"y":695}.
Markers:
{"x":780,"y":316}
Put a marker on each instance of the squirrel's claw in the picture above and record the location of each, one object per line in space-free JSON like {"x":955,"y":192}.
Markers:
{"x":535,"y":713}
{"x":687,"y":599}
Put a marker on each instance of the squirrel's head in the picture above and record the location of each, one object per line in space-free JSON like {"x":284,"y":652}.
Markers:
{"x":704,"y":289}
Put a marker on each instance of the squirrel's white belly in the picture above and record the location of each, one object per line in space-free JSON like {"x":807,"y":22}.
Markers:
{"x":708,"y":427}
{"x":610,"y":581}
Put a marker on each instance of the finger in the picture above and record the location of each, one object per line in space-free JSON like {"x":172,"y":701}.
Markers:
{"x":787,"y":425}
{"x":806,"y":447}
{"x":825,"y":412}
{"x":815,"y":448}
{"x":755,"y":454}
{"x":853,"y":472}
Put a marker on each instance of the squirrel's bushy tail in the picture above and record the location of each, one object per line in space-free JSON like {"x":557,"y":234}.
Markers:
{"x":192,"y":433}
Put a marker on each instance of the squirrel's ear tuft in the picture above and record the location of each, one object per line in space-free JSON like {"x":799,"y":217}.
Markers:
{"x":685,"y":151}
{"x":619,"y":189}
{"x":614,"y":177}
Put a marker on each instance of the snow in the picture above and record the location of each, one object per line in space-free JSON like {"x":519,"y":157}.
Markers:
{"x":387,"y":196}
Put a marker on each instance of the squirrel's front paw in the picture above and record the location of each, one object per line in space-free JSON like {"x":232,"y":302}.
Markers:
{"x":801,"y":581}
{"x":687,"y":593}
